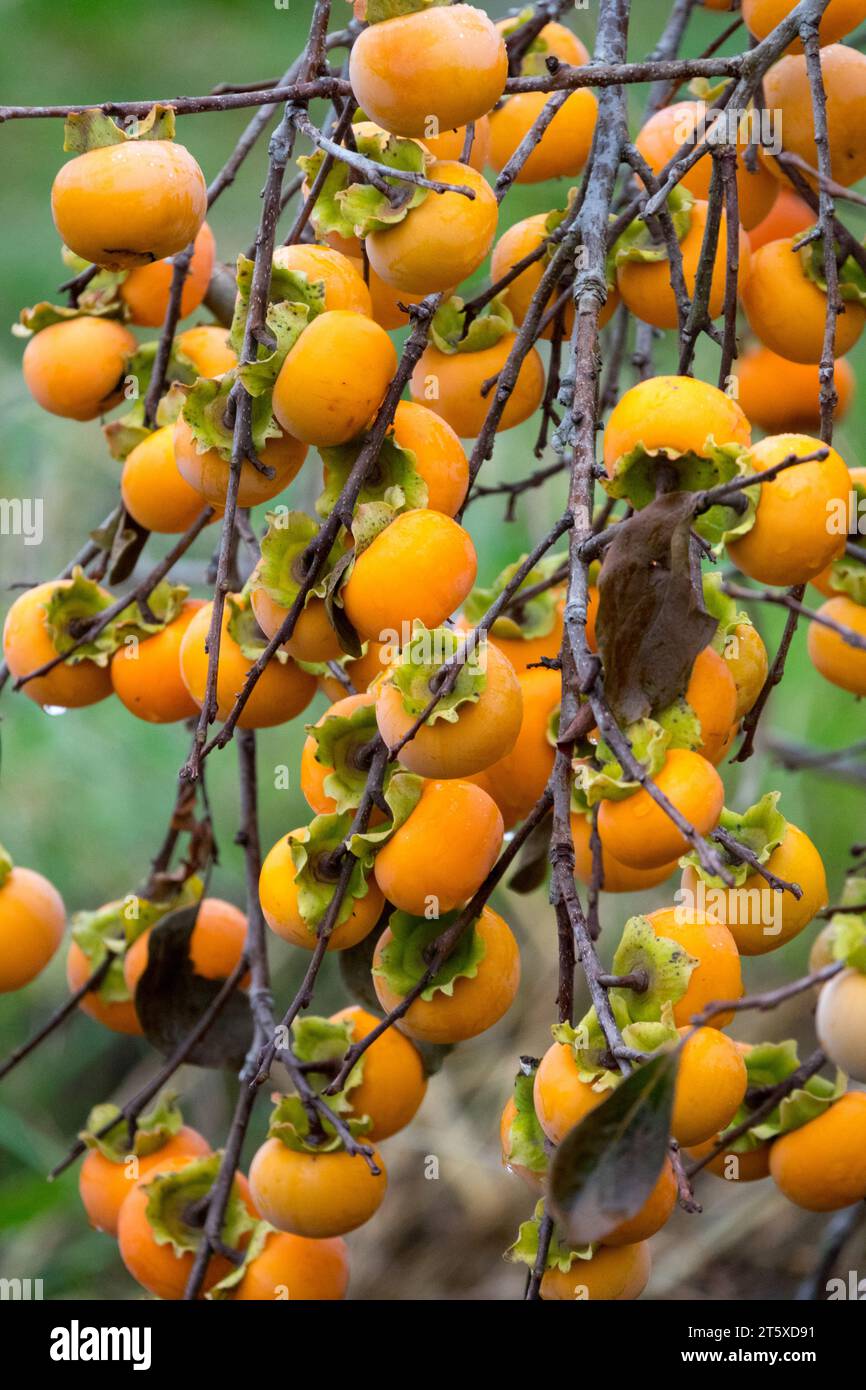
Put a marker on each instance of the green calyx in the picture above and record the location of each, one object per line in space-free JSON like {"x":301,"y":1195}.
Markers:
{"x":280,"y":571}
{"x":402,"y":792}
{"x":524,"y":1140}
{"x":262,"y":1231}
{"x":123,"y":434}
{"x":768,"y":1065}
{"x":111,"y":930}
{"x":404,"y":963}
{"x":378,"y":11}
{"x":93,"y":129}
{"x":724,"y":609}
{"x":291,"y":291}
{"x":848,"y":927}
{"x":525,"y":1248}
{"x":70,"y":607}
{"x":591,"y":1050}
{"x":534,"y":616}
{"x":393,"y":479}
{"x":603,"y":777}
{"x":635,"y":475}
{"x":315,"y":853}
{"x":340,"y":743}
{"x":6,"y":864}
{"x":852,"y":278}
{"x":152,"y":1131}
{"x":356,"y":209}
{"x":243,"y":629}
{"x":171,"y":1196}
{"x":160,"y":608}
{"x":666,"y":966}
{"x":319,"y":1040}
{"x":454,"y":331}
{"x":292,"y":1125}
{"x":637,"y":244}
{"x":533,"y":62}
{"x":416,"y":669}
{"x":761,"y":828}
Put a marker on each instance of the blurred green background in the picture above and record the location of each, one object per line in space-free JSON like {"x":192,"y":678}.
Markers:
{"x":85,"y":796}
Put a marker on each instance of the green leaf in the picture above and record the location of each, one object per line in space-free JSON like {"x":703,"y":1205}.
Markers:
{"x":403,"y":961}
{"x":607,"y":1166}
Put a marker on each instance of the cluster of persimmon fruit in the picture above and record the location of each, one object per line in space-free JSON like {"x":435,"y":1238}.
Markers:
{"x":398,"y":602}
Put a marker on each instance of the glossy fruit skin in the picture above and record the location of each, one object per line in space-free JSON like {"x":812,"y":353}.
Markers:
{"x":313,"y":639}
{"x":839,"y":19}
{"x":712,"y":694}
{"x":32,"y":919}
{"x":748,"y":664}
{"x":661,"y":137}
{"x":146,"y":678}
{"x":711,"y":1084}
{"x":103,"y":1185}
{"x":717,"y":975}
{"x":344,"y":286}
{"x":616,"y":877}
{"x":75,"y":368}
{"x":747,"y":1167}
{"x":207,"y":474}
{"x":320,"y":396}
{"x":443,"y":240}
{"x":673,"y":412}
{"x":215,"y":946}
{"x":645,"y":286}
{"x":117,"y":1015}
{"x":639,"y":833}
{"x":362,"y":670}
{"x":564,"y":147}
{"x":521,"y":240}
{"x":619,"y":1275}
{"x":393,"y":1083}
{"x":386,"y":301}
{"x":282,"y":691}
{"x":449,"y":144}
{"x":147,"y":288}
{"x":822,"y":1165}
{"x":422,"y":565}
{"x":837,"y":662}
{"x":780,"y":396}
{"x":313,"y":773}
{"x":449,"y":64}
{"x":451,"y":384}
{"x":439,"y":456}
{"x":444,"y":851}
{"x":655,"y":1212}
{"x":476,"y":1004}
{"x":154,"y":491}
{"x":154,"y":1266}
{"x":786,"y":92}
{"x":207,"y":347}
{"x":130,"y":204}
{"x":561,"y":1099}
{"x":556,"y":41}
{"x":516,"y":780}
{"x":318,"y":1195}
{"x":295,"y":1269}
{"x":788,"y":216}
{"x":279,"y":899}
{"x":839,"y":1022}
{"x":27,"y":645}
{"x":797,"y":861}
{"x":484,"y":731}
{"x":791,"y":541}
{"x":787,"y":311}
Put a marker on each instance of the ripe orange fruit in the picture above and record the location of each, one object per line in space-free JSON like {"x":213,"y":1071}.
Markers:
{"x":788,"y":216}
{"x":791,"y":540}
{"x":278,"y":895}
{"x":393,"y":1083}
{"x":147,"y":288}
{"x":522,"y":240}
{"x":640,"y":834}
{"x":154,"y":491}
{"x":216,"y":944}
{"x":711,"y":1084}
{"x":104,"y":1185}
{"x":516,"y":780}
{"x":838,"y":19}
{"x":676,"y":413}
{"x":780,"y":396}
{"x":444,"y":851}
{"x":129,"y":204}
{"x":787,"y":311}
{"x":645,"y":286}
{"x":439,"y":456}
{"x":476,"y":1003}
{"x":750,"y":1166}
{"x":207,"y":347}
{"x":616,"y":877}
{"x":442,"y":240}
{"x":118,"y":1015}
{"x":564,"y":147}
{"x":786,"y":93}
{"x":717,"y":975}
{"x":313,"y":639}
{"x":207,"y":473}
{"x":320,"y":396}
{"x":28,"y":644}
{"x":617,"y":1275}
{"x":294,"y":1267}
{"x":32,"y":918}
{"x":75,"y":368}
{"x":314,"y":773}
{"x":146,"y":676}
{"x":344,"y":286}
{"x":561,"y":1098}
{"x":450,"y":144}
{"x":426,"y":72}
{"x":422,"y":565}
{"x":712,"y":694}
{"x":314,"y":1194}
{"x":822,"y":1165}
{"x":282,"y":691}
{"x":452,"y":385}
{"x":837,"y":662}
